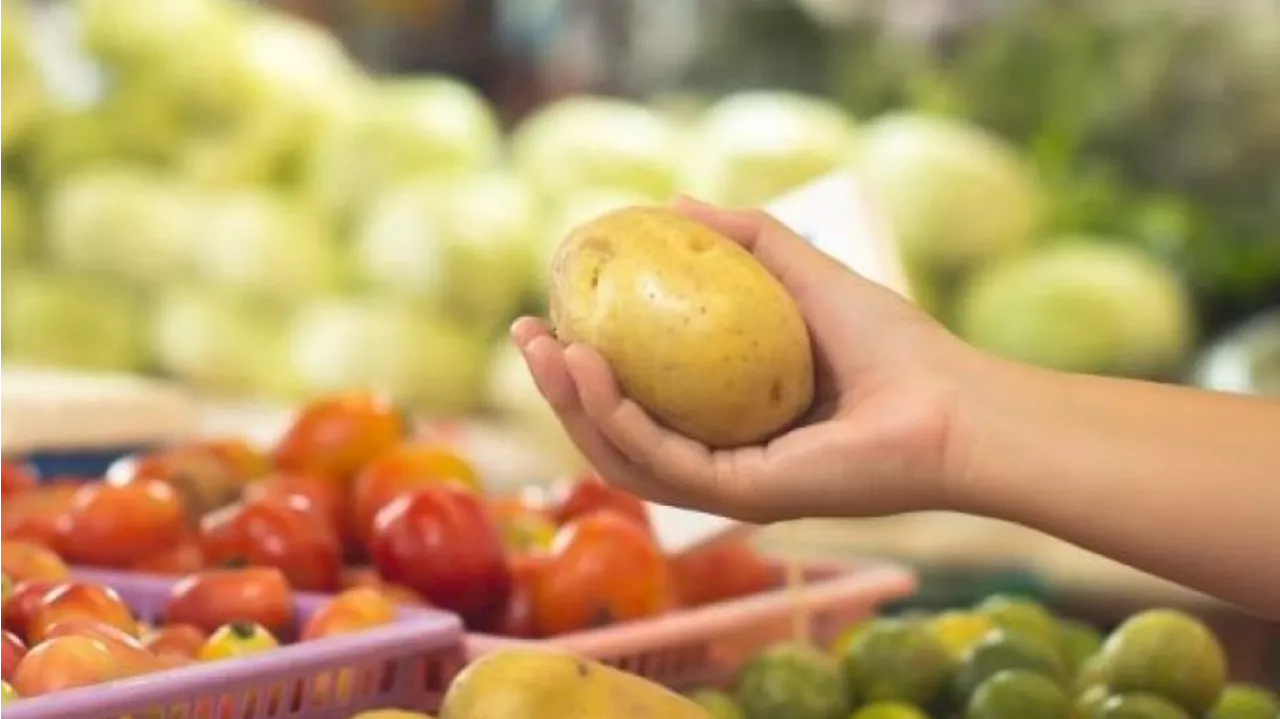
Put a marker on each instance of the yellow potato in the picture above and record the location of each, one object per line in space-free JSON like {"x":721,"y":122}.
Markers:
{"x":697,"y":331}
{"x":532,"y":684}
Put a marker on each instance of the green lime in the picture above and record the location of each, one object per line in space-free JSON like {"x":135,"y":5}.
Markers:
{"x":1089,"y":701}
{"x":1139,"y":706}
{"x":792,"y":680}
{"x":845,"y":639}
{"x":1245,"y":701}
{"x":1079,"y":642}
{"x":958,"y":630}
{"x":1022,"y":616}
{"x":1001,"y":649}
{"x":1166,"y":653}
{"x":889,"y":710}
{"x":895,"y":660}
{"x":719,"y":705}
{"x":1018,"y":694}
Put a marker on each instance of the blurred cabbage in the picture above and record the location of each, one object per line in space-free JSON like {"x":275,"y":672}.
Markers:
{"x":60,"y":318}
{"x":216,"y":341}
{"x":1082,"y":305}
{"x":21,"y":84}
{"x":587,"y":141}
{"x":144,"y":35}
{"x":266,"y":245}
{"x":422,"y":361}
{"x":69,"y":139}
{"x":953,"y":195}
{"x":125,"y":222}
{"x":464,"y":244}
{"x":752,"y":147}
{"x":513,"y":394}
{"x":17,"y":233}
{"x":411,"y":126}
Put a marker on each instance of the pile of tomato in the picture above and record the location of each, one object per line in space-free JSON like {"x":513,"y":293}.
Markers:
{"x":62,"y":633}
{"x":352,"y":496}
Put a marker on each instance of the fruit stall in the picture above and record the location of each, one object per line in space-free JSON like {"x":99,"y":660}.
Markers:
{"x":268,"y":451}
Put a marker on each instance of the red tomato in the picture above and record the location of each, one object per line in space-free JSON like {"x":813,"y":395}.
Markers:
{"x":401,"y":470}
{"x":325,"y":496}
{"x":80,"y":600}
{"x":13,"y":651}
{"x":203,"y":478}
{"x":116,"y":525}
{"x":519,"y":621}
{"x":21,"y":560}
{"x":33,"y":515}
{"x":24,"y":602}
{"x":333,"y":437}
{"x":184,"y":557}
{"x":720,"y":571}
{"x":440,"y":542}
{"x":590,"y":493}
{"x":287,"y":533}
{"x":605,"y":568}
{"x":17,"y":478}
{"x":209,"y":599}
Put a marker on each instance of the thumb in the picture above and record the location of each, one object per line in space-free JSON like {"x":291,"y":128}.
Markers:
{"x":796,"y":263}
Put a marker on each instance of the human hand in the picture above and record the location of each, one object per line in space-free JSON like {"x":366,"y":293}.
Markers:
{"x":884,"y":434}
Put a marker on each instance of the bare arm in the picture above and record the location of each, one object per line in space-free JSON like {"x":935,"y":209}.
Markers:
{"x":1182,"y":483}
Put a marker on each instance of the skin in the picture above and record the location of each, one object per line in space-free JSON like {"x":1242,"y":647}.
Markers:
{"x":1178,"y":482}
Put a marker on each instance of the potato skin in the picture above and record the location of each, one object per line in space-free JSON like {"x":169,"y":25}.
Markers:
{"x":697,"y":331}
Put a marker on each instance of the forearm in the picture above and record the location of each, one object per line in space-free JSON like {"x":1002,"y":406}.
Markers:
{"x":1181,"y":483}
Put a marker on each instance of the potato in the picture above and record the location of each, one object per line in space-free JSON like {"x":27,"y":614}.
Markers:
{"x":696,"y":330}
{"x":532,"y":684}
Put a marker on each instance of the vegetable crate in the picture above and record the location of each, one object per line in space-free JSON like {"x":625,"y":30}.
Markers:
{"x":407,"y":665}
{"x":707,"y":645}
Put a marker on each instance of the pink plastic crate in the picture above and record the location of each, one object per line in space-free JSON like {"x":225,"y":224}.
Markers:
{"x":707,"y":645}
{"x":406,"y":665}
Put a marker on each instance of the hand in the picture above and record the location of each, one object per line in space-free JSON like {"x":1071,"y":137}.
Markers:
{"x":884,"y":434}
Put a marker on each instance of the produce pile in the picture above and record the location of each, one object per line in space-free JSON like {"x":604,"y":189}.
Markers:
{"x":1007,"y":658}
{"x":62,"y":633}
{"x":349,"y":498}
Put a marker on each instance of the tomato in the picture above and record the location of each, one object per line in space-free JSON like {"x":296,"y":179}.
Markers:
{"x":237,"y":639}
{"x":353,"y":610}
{"x":80,"y":600}
{"x":590,"y":493}
{"x":24,"y":602}
{"x":722,"y":570}
{"x":287,"y":533}
{"x":33,"y":515}
{"x":401,"y":470}
{"x":209,"y":599}
{"x":605,"y":568}
{"x":518,"y":620}
{"x":333,"y":437}
{"x":13,"y":651}
{"x":353,"y":577}
{"x":523,"y":528}
{"x":325,"y":496}
{"x":23,"y":560}
{"x":7,"y":585}
{"x":65,"y":663}
{"x":201,"y":475}
{"x":184,"y":557}
{"x":441,"y":542}
{"x":16,"y":479}
{"x":242,"y":460}
{"x":182,"y":640}
{"x":112,"y":525}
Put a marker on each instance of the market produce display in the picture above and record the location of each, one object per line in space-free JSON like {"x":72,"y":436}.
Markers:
{"x":350,"y":497}
{"x":1006,"y":658}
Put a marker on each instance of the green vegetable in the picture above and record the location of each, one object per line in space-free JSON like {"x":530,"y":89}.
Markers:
{"x":792,"y":680}
{"x":58,"y":318}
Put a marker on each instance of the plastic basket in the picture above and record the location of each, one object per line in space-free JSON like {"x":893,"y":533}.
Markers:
{"x":707,"y":645}
{"x":405,"y":665}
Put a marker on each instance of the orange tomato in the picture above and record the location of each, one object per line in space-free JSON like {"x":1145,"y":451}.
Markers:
{"x":605,"y":568}
{"x":333,"y":437}
{"x":202,"y":473}
{"x":64,"y":663}
{"x":14,"y":650}
{"x":523,"y":527}
{"x":21,"y":560}
{"x":181,"y":558}
{"x":112,"y":525}
{"x":23,"y":603}
{"x":80,"y":600}
{"x":353,"y":610}
{"x":353,"y":577}
{"x":519,"y":620}
{"x":33,"y":515}
{"x":401,"y":470}
{"x":325,"y":496}
{"x":287,"y":533}
{"x":590,"y":494}
{"x":214,"y":597}
{"x":720,"y":571}
{"x":183,"y":640}
{"x":16,"y":478}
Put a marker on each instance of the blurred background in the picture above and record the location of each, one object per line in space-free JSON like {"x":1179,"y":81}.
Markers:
{"x":269,"y":201}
